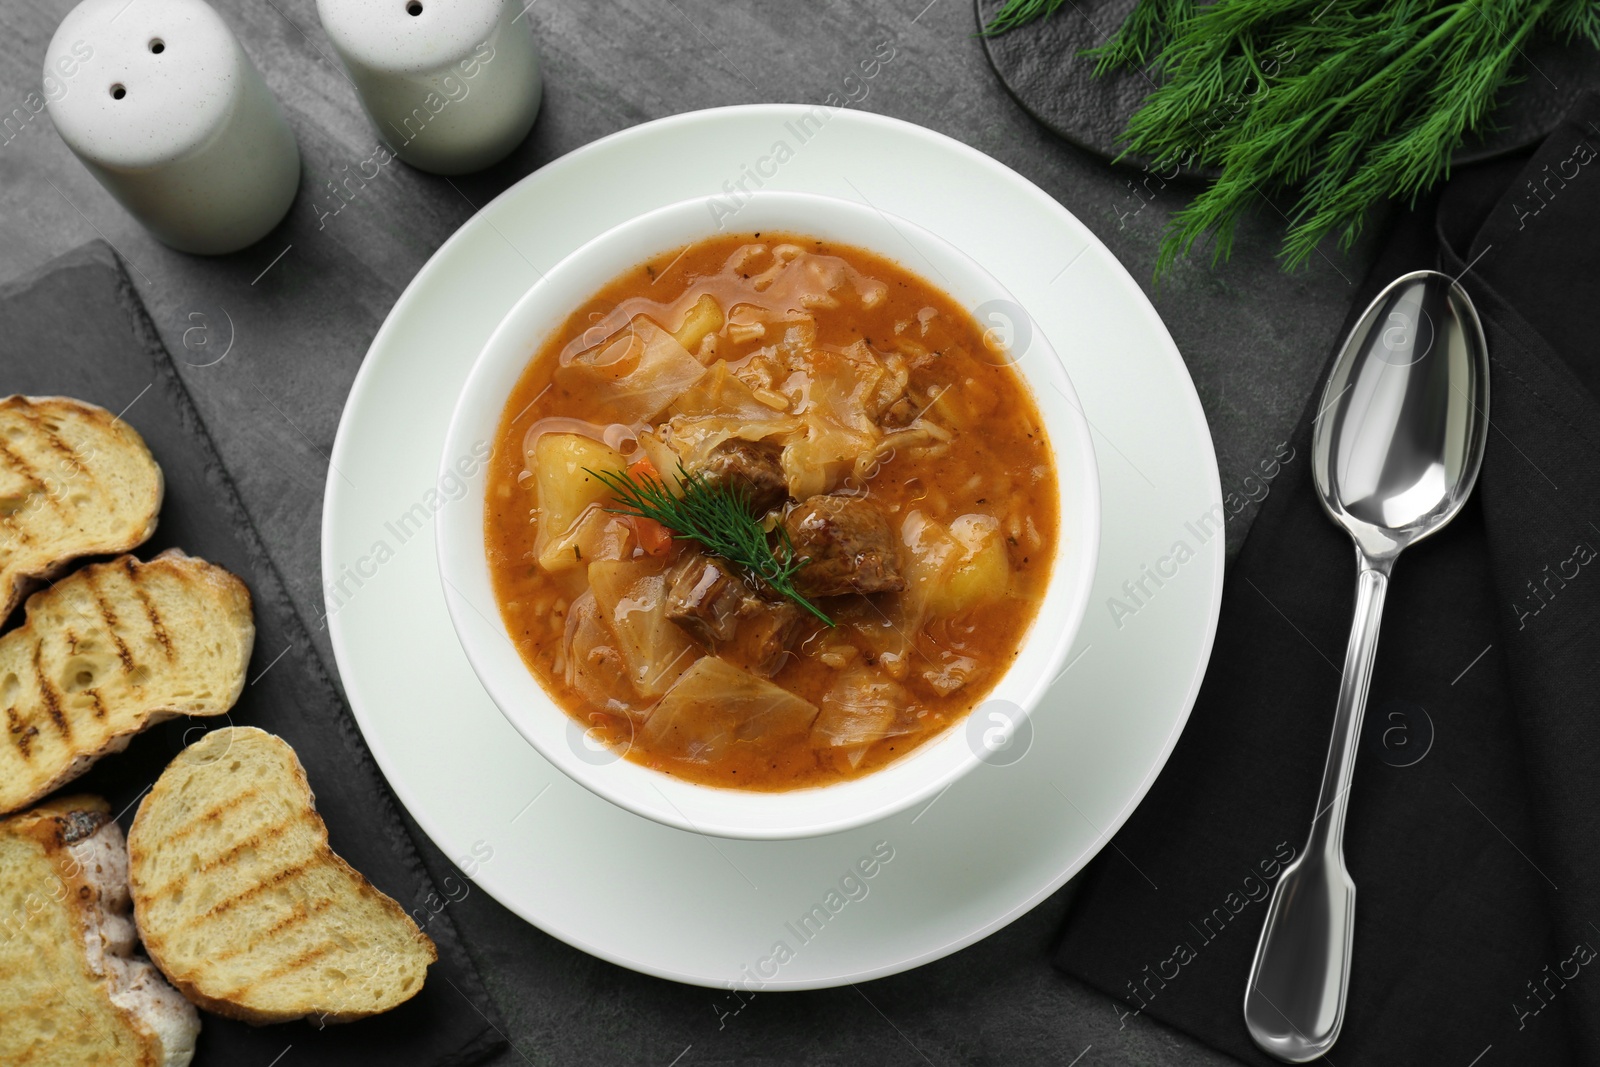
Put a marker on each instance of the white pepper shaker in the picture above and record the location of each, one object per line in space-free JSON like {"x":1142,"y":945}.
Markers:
{"x":166,"y":110}
{"x":451,"y":86}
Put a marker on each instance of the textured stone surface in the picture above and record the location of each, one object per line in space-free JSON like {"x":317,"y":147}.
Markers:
{"x":1253,"y":339}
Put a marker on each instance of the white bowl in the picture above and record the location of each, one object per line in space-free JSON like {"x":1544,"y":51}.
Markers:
{"x":998,"y":731}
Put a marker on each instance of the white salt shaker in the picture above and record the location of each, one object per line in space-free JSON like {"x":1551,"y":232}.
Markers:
{"x":168,"y":113}
{"x":452,"y":86}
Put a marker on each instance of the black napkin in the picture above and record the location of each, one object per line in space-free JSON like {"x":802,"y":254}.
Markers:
{"x":1474,"y":827}
{"x":78,"y":329}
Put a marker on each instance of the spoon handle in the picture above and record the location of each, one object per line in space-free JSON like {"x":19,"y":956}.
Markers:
{"x":1295,"y":1002}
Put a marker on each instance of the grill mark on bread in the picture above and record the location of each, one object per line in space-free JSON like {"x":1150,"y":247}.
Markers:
{"x":300,"y":914}
{"x":25,"y":470}
{"x":99,"y":705}
{"x":52,"y":699}
{"x":51,"y":437}
{"x":213,"y":814}
{"x":229,"y":903}
{"x":298,"y":963}
{"x":255,"y":840}
{"x":150,"y":611}
{"x":110,"y":618}
{"x":22,"y":736}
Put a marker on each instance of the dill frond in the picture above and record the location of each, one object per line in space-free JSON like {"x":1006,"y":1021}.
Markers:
{"x":717,"y":516}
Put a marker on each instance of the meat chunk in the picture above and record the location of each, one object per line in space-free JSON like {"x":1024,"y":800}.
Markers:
{"x":719,"y":609}
{"x":752,"y":466}
{"x":849,"y":545}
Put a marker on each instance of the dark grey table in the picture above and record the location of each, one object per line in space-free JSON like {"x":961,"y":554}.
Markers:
{"x":1253,"y":338}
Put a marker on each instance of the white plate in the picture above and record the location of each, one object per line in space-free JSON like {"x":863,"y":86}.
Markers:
{"x":784,"y":914}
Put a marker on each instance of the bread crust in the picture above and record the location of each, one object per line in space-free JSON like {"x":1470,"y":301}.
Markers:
{"x":24,"y":566}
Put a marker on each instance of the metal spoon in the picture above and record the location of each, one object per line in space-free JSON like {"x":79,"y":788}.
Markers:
{"x":1395,"y":452}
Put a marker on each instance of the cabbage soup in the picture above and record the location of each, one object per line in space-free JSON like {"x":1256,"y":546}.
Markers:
{"x":769,"y":512}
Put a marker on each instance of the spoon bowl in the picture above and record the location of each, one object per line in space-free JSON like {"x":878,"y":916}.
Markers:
{"x":1396,"y":449}
{"x":1404,"y":416}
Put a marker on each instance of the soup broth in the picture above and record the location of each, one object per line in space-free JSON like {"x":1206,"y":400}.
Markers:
{"x":880,"y":438}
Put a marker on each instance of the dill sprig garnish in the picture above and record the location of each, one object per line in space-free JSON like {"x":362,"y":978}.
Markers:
{"x":1333,"y":107}
{"x":718,"y":517}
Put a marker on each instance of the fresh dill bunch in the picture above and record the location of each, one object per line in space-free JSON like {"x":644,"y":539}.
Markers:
{"x":718,"y":517}
{"x":1019,"y":13}
{"x":1332,"y":107}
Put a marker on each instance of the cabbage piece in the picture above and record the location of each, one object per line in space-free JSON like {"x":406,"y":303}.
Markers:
{"x":821,"y":455}
{"x":840,"y":435}
{"x":844,"y":384}
{"x":952,"y":672}
{"x":633,"y":376}
{"x":592,"y":663}
{"x":715,"y":705}
{"x":861,"y":708}
{"x":632,"y":597}
{"x":721,"y":392}
{"x":931,"y":553}
{"x":598,"y":535}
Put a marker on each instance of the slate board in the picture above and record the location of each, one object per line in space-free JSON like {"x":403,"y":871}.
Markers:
{"x":77,"y":328}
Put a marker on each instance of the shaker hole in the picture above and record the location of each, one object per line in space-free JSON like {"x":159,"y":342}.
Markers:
{"x":414,"y":8}
{"x":118,"y":92}
{"x":158,"y":46}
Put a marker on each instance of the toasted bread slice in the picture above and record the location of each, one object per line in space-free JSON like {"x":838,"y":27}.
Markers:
{"x":72,"y":993}
{"x":109,"y":650}
{"x":75,"y":481}
{"x":245,"y":907}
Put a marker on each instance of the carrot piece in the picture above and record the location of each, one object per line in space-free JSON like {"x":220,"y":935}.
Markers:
{"x":644,"y":468}
{"x":654,"y":538}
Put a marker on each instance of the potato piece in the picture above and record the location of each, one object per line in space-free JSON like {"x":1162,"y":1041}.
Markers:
{"x":981,"y":574}
{"x":565,"y":490}
{"x":702,"y":319}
